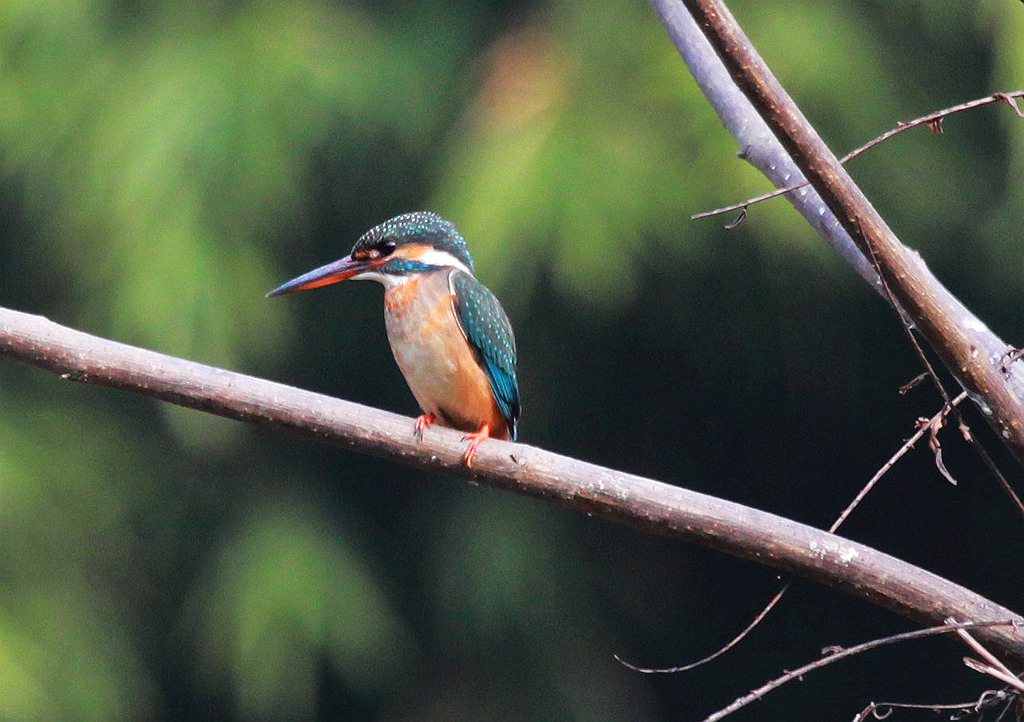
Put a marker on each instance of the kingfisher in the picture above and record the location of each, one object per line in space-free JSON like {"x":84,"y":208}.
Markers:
{"x":449,"y":334}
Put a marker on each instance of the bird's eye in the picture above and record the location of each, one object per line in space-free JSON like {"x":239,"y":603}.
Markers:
{"x":382,"y":249}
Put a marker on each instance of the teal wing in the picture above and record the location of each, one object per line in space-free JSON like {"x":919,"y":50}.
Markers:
{"x":489,"y":333}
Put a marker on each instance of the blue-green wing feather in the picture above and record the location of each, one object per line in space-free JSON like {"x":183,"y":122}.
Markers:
{"x":489,"y":333}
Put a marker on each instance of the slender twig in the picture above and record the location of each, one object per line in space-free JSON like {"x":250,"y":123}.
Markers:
{"x":721,"y":650}
{"x":990,"y":464}
{"x":905,"y":447}
{"x":927,"y":426}
{"x":949,"y":405}
{"x":908,"y":331}
{"x":835,"y":655}
{"x":995,"y":672}
{"x":931,"y":119}
{"x":933,"y":428}
{"x":758,"y":146}
{"x":979,"y":648}
{"x":995,"y":667}
{"x":989,"y":698}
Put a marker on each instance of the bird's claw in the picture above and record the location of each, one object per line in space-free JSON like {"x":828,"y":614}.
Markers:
{"x":475,"y":439}
{"x":422,"y":422}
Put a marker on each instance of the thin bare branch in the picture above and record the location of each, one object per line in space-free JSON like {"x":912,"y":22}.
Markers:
{"x":933,"y":120}
{"x":987,"y":700}
{"x":913,"y":383}
{"x":994,"y":672}
{"x":757,"y":145}
{"x":995,"y":667}
{"x":721,"y":650}
{"x":924,"y":425}
{"x":905,"y":447}
{"x":836,"y":654}
{"x":939,"y":421}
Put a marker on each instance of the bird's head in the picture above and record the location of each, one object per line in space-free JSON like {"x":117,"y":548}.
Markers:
{"x":392,"y":252}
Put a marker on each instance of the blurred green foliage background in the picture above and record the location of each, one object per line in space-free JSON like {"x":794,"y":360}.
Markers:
{"x":164,"y":164}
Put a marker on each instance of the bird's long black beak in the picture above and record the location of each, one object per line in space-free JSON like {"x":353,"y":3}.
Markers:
{"x":339,"y":270}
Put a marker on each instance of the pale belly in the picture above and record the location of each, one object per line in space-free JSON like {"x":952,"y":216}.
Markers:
{"x":434,"y":357}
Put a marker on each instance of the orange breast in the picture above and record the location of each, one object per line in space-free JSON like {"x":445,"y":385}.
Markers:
{"x":435,"y":358}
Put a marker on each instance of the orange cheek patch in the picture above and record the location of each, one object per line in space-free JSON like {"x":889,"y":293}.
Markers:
{"x":413,"y":251}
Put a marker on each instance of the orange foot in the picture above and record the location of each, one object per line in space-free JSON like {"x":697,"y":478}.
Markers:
{"x":475,"y":439}
{"x":422,"y":422}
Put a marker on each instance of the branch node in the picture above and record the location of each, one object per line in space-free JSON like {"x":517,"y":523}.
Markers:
{"x":737,"y":220}
{"x":1009,"y":100}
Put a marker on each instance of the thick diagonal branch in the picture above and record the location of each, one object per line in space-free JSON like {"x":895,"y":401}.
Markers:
{"x":751,"y":101}
{"x":642,"y":503}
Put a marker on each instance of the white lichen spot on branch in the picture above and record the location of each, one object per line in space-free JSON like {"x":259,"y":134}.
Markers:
{"x":824,"y":550}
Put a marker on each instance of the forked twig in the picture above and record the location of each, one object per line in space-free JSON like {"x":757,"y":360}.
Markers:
{"x":933,"y":120}
{"x":835,"y":654}
{"x":994,"y":667}
{"x":905,"y":447}
{"x":965,"y":430}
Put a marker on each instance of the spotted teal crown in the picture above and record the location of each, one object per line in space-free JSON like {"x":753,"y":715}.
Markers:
{"x":420,"y":227}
